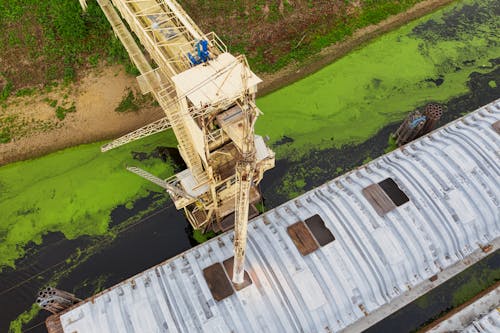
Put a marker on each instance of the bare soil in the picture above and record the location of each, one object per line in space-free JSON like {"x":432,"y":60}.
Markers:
{"x":95,"y":97}
{"x":97,"y":94}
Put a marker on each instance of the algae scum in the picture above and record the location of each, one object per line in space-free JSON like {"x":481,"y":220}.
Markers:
{"x":76,"y":214}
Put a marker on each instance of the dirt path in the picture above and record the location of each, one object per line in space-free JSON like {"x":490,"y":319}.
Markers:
{"x":98,"y":94}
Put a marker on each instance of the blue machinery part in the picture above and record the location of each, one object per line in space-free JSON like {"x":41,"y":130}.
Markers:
{"x":417,"y":121}
{"x":202,"y":53}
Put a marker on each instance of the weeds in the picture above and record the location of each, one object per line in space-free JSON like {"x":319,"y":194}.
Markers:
{"x":128,"y":103}
{"x":61,"y":112}
{"x":25,"y":92}
{"x":51,"y":102}
{"x":201,"y":237}
{"x":5,"y":135}
{"x":7,"y":89}
{"x":55,"y":38}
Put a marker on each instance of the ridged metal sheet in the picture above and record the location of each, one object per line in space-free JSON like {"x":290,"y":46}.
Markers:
{"x":490,"y":323}
{"x":452,"y":178}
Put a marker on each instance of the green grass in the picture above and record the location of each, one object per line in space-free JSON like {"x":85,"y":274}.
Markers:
{"x":5,"y":135}
{"x":25,"y":92}
{"x":201,"y":237}
{"x":61,"y":112}
{"x":54,"y":38}
{"x":6,"y":90}
{"x":72,"y":191}
{"x":476,"y":283}
{"x":128,"y":103}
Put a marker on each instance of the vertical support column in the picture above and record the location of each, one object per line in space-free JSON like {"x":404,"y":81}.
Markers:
{"x":244,"y":173}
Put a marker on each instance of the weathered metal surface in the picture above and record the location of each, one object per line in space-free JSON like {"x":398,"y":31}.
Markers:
{"x":417,"y":123}
{"x":410,"y":128}
{"x":53,"y":325}
{"x":55,"y":300}
{"x":228,"y":266}
{"x":375,"y":265}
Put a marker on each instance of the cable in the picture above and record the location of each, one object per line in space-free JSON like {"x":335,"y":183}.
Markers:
{"x":32,"y":327}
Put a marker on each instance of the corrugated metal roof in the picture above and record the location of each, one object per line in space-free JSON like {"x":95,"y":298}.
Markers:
{"x":487,"y":324}
{"x":452,"y":180}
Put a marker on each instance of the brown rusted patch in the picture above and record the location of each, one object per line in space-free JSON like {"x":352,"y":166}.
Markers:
{"x":53,"y":324}
{"x":378,"y":199}
{"x":302,"y":238}
{"x":363,"y":309}
{"x":487,"y":248}
{"x":433,"y":278}
{"x":218,"y":282}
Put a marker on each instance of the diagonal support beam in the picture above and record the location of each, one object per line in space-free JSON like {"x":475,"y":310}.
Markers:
{"x":173,"y":190}
{"x":156,"y":127}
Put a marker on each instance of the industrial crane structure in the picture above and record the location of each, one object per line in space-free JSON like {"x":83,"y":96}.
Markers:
{"x":208,"y":96}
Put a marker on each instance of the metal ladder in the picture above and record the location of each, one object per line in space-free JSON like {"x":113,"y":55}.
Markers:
{"x":186,"y":147}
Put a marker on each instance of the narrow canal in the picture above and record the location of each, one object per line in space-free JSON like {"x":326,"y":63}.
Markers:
{"x":78,"y":220}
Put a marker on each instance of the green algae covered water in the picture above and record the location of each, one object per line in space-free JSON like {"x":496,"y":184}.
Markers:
{"x":348,"y":101}
{"x":83,"y":208}
{"x":72,"y":191}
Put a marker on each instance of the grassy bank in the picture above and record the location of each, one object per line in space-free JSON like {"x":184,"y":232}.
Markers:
{"x":275,"y":33}
{"x":44,"y":41}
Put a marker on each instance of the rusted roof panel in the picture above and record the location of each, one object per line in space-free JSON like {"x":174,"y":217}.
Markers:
{"x":379,"y":200}
{"x":302,"y":238}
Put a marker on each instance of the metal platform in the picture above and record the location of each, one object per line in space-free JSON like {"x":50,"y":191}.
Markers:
{"x":378,"y":258}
